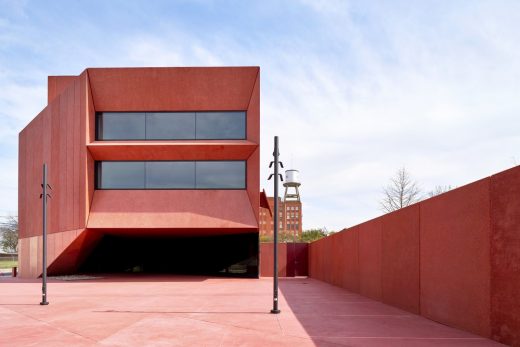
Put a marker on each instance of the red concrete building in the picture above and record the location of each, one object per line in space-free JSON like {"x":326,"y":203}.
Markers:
{"x":290,"y":217}
{"x":152,"y":169}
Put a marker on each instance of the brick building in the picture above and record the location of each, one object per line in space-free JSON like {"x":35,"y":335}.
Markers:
{"x":290,"y":217}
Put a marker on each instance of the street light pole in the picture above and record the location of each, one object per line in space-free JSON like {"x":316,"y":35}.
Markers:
{"x":276,"y":175}
{"x":44,"y":197}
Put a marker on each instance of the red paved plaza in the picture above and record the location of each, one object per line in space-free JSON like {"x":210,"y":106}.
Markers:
{"x":201,"y":311}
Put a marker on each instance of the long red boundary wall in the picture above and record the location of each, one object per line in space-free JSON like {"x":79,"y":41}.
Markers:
{"x":454,"y":258}
{"x":292,"y":259}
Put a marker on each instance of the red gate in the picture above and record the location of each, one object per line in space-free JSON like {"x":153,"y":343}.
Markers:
{"x":297,"y":259}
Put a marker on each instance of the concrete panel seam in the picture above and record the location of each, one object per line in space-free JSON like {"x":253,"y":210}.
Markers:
{"x":253,"y":88}
{"x":420,"y":252}
{"x":87,"y":120}
{"x":490,"y":238}
{"x":357,"y":265}
{"x":90,"y":89}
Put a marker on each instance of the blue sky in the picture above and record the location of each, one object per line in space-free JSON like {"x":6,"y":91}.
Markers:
{"x":355,"y":90}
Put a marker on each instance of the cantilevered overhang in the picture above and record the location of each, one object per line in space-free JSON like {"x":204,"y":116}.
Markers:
{"x":173,"y":211}
{"x":172,"y":150}
{"x":160,"y":89}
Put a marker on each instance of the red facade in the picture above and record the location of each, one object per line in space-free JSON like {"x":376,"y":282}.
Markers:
{"x":63,"y":136}
{"x":452,"y":258}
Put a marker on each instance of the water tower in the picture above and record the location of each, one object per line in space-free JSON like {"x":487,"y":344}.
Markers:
{"x":291,"y":184}
{"x":293,"y":216}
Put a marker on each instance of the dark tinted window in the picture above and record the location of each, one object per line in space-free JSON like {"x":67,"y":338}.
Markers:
{"x":121,"y":126}
{"x":168,"y":126}
{"x":120,"y":174}
{"x":171,"y":126}
{"x":221,"y":174}
{"x":221,"y":125}
{"x":170,"y":175}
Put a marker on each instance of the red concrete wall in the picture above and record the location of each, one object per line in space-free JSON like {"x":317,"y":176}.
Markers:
{"x":54,"y":137}
{"x":324,"y":268}
{"x":266,"y":259}
{"x":370,"y":243}
{"x":400,"y":259}
{"x":344,"y":273}
{"x":292,"y":259}
{"x":453,"y":258}
{"x":455,"y":263}
{"x":57,"y":137}
{"x":169,"y":150}
{"x":165,"y":89}
{"x":172,"y":210}
{"x":297,"y":259}
{"x":57,"y":84}
{"x":350,"y":275}
{"x":505,"y":257}
{"x":63,"y":136}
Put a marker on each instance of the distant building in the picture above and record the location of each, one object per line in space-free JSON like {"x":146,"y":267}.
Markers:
{"x":290,"y":217}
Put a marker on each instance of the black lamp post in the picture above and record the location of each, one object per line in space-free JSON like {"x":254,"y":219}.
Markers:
{"x":276,"y":175}
{"x":44,"y":197}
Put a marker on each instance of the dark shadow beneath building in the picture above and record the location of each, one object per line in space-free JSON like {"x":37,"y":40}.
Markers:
{"x":224,"y":255}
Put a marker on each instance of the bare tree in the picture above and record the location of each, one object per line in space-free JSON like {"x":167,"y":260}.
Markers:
{"x":401,"y":192}
{"x":438,"y":190}
{"x":9,"y":234}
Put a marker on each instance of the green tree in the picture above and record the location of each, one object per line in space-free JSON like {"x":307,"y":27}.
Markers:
{"x":306,"y":236}
{"x":283,"y":236}
{"x":9,"y":234}
{"x":313,"y":234}
{"x":286,"y":236}
{"x":266,"y":238}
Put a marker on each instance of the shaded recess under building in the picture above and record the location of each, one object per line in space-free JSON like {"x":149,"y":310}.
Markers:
{"x":151,"y":168}
{"x":227,"y":255}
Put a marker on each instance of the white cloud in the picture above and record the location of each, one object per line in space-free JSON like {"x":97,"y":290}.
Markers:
{"x":436,"y":107}
{"x":359,"y":93}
